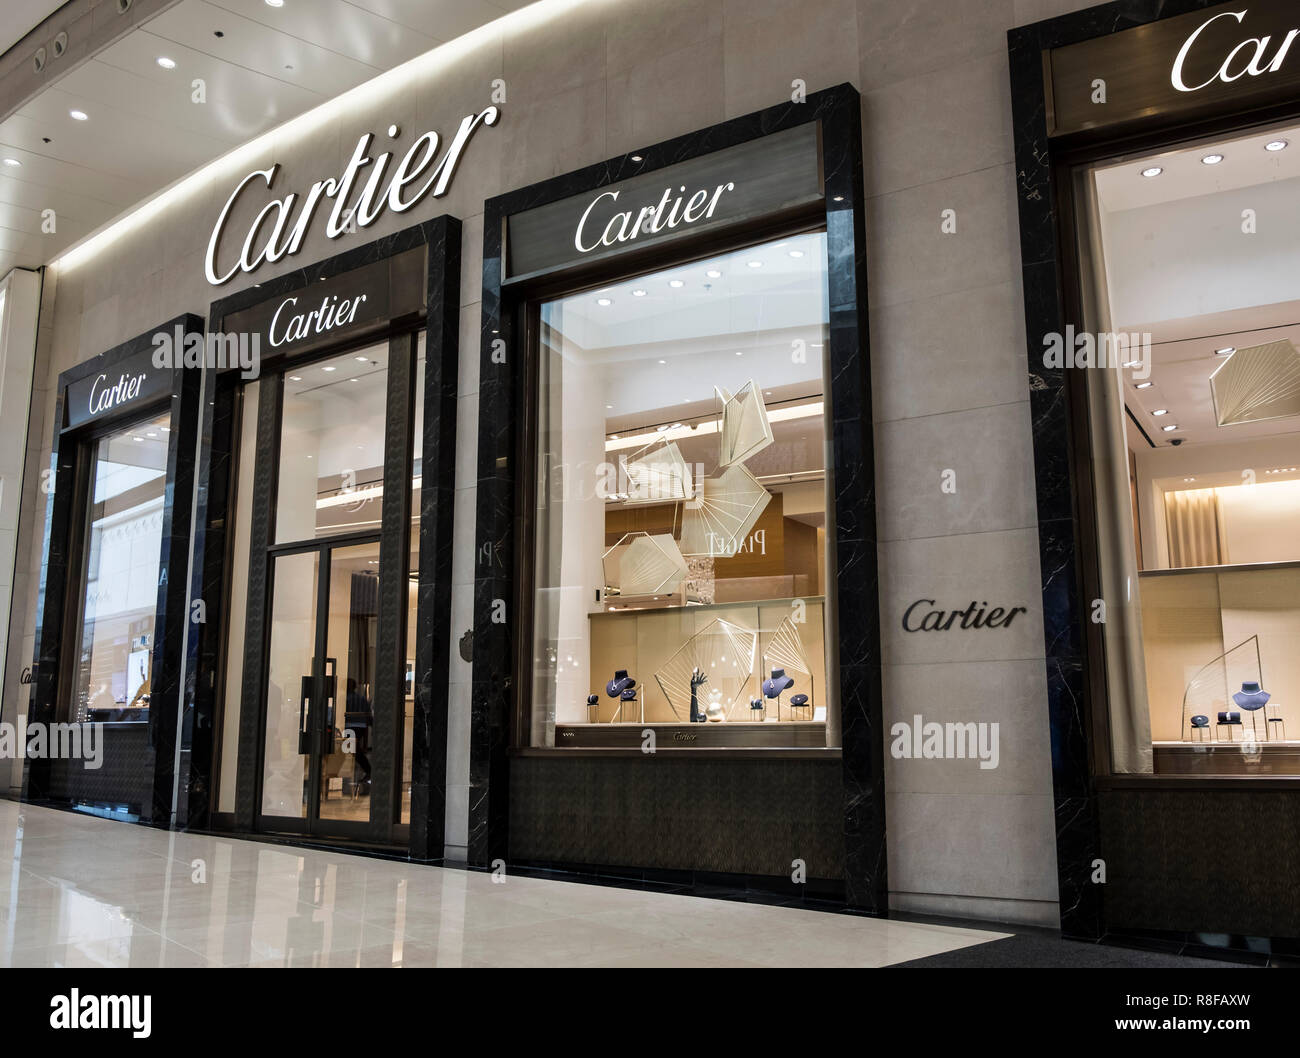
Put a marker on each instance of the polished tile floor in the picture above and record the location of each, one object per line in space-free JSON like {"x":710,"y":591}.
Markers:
{"x":82,"y":891}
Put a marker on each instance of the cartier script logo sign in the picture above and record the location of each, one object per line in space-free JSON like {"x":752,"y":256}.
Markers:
{"x":1220,"y":60}
{"x":650,"y":219}
{"x":280,"y":226}
{"x":1253,"y":56}
{"x":105,"y":392}
{"x":759,"y":178}
{"x":925,"y":615}
{"x":289,"y":325}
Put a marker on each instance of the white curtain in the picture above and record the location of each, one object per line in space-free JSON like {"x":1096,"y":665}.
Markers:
{"x":1195,"y":524}
{"x":1130,"y":718}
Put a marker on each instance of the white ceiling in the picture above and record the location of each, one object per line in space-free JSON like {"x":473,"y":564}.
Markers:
{"x":1245,"y":164}
{"x":1180,"y":268}
{"x":144,"y":132}
{"x":21,"y":17}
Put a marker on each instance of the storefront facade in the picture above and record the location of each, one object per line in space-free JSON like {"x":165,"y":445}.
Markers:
{"x":1148,"y":150}
{"x":670,"y":355}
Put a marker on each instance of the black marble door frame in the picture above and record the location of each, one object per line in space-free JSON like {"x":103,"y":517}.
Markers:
{"x":503,"y":492}
{"x":1075,"y":680}
{"x":60,"y":569}
{"x":214,"y":538}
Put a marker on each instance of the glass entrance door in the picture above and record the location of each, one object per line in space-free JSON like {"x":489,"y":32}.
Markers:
{"x":322,"y":674}
{"x":326,"y":669}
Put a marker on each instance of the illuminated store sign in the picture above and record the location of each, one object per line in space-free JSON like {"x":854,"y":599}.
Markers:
{"x":759,"y":178}
{"x":1251,"y":56}
{"x":133,"y":383}
{"x":280,"y":226}
{"x":1204,"y":63}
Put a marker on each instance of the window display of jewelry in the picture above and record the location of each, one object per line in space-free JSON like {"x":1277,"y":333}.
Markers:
{"x":623,"y":688}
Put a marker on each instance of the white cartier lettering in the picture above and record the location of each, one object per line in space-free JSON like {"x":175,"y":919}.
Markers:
{"x":650,"y":219}
{"x":332,"y":313}
{"x":1248,"y":57}
{"x":277,"y":232}
{"x":104,"y":397}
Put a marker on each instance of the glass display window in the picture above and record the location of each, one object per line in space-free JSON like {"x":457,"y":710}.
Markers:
{"x":1195,"y":428}
{"x":118,"y":594}
{"x":680,"y":571}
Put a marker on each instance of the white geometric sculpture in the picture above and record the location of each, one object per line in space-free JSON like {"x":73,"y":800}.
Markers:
{"x":656,"y":473}
{"x":745,"y":426}
{"x":723,"y":512}
{"x":641,"y":564}
{"x":785,"y":649}
{"x":724,"y":652}
{"x":1257,"y":383}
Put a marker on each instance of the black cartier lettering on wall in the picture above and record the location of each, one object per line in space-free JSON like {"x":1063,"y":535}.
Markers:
{"x":924,"y":616}
{"x":410,"y":183}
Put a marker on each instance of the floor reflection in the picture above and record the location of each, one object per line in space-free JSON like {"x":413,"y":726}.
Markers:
{"x":79,"y":891}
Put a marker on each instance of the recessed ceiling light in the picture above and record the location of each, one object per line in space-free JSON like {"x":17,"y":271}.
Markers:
{"x":754,"y":264}
{"x":1144,"y":385}
{"x":1226,"y":351}
{"x":676,"y":283}
{"x":166,"y":63}
{"x":609,"y":407}
{"x":1170,"y":428}
{"x":1151,"y":171}
{"x":295,"y":378}
{"x":1161,"y":411}
{"x":275,"y":3}
{"x":713,"y":273}
{"x":137,"y":438}
{"x":151,"y":434}
{"x":78,"y":115}
{"x":636,"y":157}
{"x":329,"y":367}
{"x":663,"y":361}
{"x":1276,"y":145}
{"x":1212,"y":159}
{"x":795,"y":253}
{"x":13,"y":162}
{"x":604,"y":302}
{"x":361,"y":360}
{"x":354,"y":380}
{"x":1189,"y":479}
{"x":739,"y":353}
{"x":638,"y":293}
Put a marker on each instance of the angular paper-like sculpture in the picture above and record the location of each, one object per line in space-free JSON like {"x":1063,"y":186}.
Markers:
{"x":785,"y":649}
{"x":656,"y":473}
{"x":1257,"y":383}
{"x":724,"y":652}
{"x":641,"y":564}
{"x":745,"y":426}
{"x":723,"y":512}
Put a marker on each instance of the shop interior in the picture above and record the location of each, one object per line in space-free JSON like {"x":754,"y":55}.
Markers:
{"x":681,"y":523}
{"x":1201,"y":252}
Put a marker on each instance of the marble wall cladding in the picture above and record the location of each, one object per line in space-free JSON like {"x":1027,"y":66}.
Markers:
{"x":946,"y":326}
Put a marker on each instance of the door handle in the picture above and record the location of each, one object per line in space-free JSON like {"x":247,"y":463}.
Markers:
{"x":304,"y":717}
{"x":329,"y":693}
